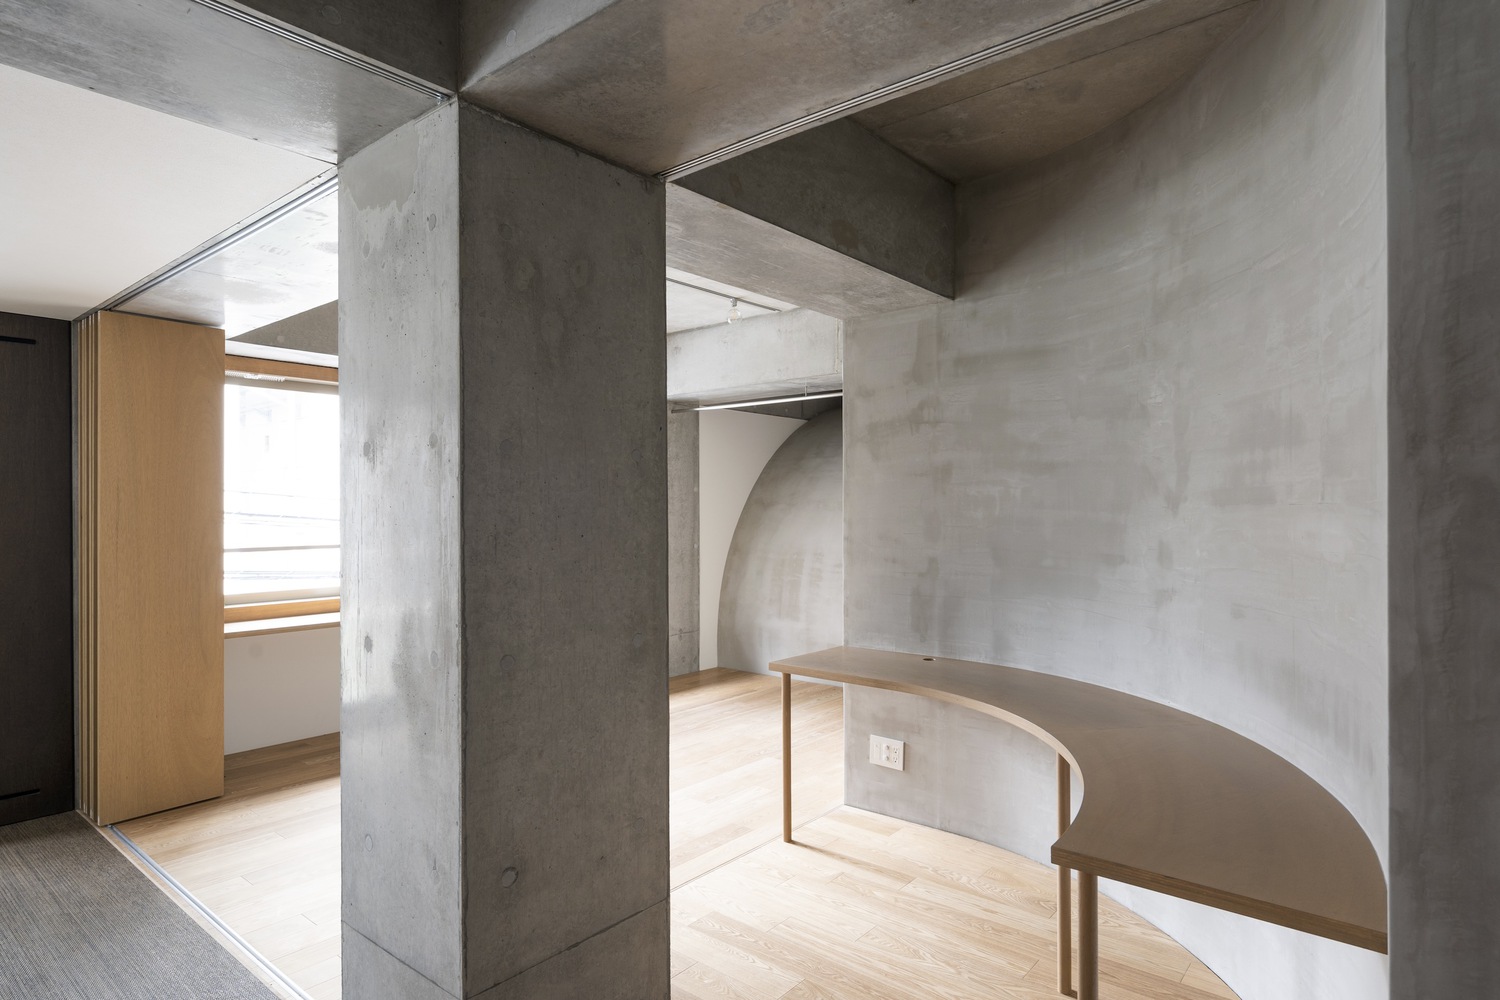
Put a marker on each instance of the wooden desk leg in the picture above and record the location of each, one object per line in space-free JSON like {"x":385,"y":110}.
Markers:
{"x":786,"y":757}
{"x":1064,"y":884}
{"x":1088,"y":936}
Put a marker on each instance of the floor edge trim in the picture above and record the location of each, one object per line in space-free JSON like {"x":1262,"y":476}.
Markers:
{"x":197,"y":904}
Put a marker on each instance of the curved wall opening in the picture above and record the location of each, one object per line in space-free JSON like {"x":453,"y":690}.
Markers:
{"x":783,"y":587}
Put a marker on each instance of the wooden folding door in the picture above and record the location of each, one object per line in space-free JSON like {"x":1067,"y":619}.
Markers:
{"x":150,"y":396}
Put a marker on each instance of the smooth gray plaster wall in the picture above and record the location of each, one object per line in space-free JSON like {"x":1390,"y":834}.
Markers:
{"x":1445,"y":497}
{"x":505,"y":567}
{"x":783,"y":590}
{"x":1146,"y":448}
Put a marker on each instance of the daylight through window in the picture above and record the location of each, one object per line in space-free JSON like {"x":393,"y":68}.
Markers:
{"x":281,"y":490}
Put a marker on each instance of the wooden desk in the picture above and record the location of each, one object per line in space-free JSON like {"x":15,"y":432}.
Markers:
{"x":1174,"y":802}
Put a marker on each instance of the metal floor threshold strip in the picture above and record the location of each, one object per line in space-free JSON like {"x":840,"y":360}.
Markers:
{"x":255,"y":957}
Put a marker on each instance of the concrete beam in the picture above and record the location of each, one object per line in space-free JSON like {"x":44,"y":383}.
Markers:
{"x":840,"y":187}
{"x":226,"y":68}
{"x":833,"y":220}
{"x":714,"y":240}
{"x":505,"y":568}
{"x":782,"y":354}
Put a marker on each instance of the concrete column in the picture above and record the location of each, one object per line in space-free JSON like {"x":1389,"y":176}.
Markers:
{"x":682,"y":543}
{"x":1443,"y":112}
{"x":505,"y":568}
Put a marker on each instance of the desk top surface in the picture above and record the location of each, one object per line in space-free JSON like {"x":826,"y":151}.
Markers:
{"x":1172,"y":802}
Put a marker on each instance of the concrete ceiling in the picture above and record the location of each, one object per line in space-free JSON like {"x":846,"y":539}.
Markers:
{"x":668,"y":86}
{"x":281,"y":266}
{"x":654,"y":84}
{"x":96,"y":194}
{"x":220,"y":64}
{"x":1047,"y":96}
{"x":1036,"y":75}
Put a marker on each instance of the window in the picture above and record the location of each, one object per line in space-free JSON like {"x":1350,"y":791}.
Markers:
{"x":281,"y":492}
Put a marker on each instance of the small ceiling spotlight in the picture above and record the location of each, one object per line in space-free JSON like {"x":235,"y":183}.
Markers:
{"x":734,"y":311}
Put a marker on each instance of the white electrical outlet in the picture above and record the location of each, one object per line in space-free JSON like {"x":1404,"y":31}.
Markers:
{"x":888,"y":753}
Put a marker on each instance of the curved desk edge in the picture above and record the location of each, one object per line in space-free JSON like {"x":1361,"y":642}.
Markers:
{"x":1048,"y":720}
{"x":1341,"y":931}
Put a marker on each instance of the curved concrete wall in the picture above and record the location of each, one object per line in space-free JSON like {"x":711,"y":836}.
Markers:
{"x":733,"y":449}
{"x":1146,"y":448}
{"x":783,"y":590}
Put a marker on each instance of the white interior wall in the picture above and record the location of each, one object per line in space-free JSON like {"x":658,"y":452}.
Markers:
{"x":733,"y":448}
{"x":279,"y":688}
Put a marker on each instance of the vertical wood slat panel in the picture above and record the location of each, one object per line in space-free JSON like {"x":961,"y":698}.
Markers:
{"x":151,"y":486}
{"x":93,"y":542}
{"x":84,"y":397}
{"x":82,"y":611}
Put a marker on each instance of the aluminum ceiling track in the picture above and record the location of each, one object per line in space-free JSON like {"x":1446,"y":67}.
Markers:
{"x":727,"y":296}
{"x":845,"y":108}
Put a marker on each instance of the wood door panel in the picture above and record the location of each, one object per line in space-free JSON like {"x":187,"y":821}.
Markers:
{"x":154,"y":597}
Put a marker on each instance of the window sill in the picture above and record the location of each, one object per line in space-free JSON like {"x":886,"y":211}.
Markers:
{"x":265,"y":610}
{"x":273,"y":626}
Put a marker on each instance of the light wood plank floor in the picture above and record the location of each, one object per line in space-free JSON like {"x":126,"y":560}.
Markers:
{"x":862,"y":907}
{"x":265,"y":857}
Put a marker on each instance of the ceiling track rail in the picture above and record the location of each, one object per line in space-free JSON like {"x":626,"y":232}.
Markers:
{"x":768,"y":401}
{"x":729,"y":296}
{"x":320,"y":189}
{"x":358,"y":62}
{"x":845,"y":108}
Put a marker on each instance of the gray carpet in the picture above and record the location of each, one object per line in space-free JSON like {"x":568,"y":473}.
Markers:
{"x":77,"y":920}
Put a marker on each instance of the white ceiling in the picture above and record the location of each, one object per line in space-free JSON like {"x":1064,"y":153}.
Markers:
{"x":96,"y":194}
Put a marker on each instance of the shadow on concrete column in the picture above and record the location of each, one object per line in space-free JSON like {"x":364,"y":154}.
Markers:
{"x":505,"y":568}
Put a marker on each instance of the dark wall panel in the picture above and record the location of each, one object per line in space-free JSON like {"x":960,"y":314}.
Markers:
{"x":36,"y":568}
